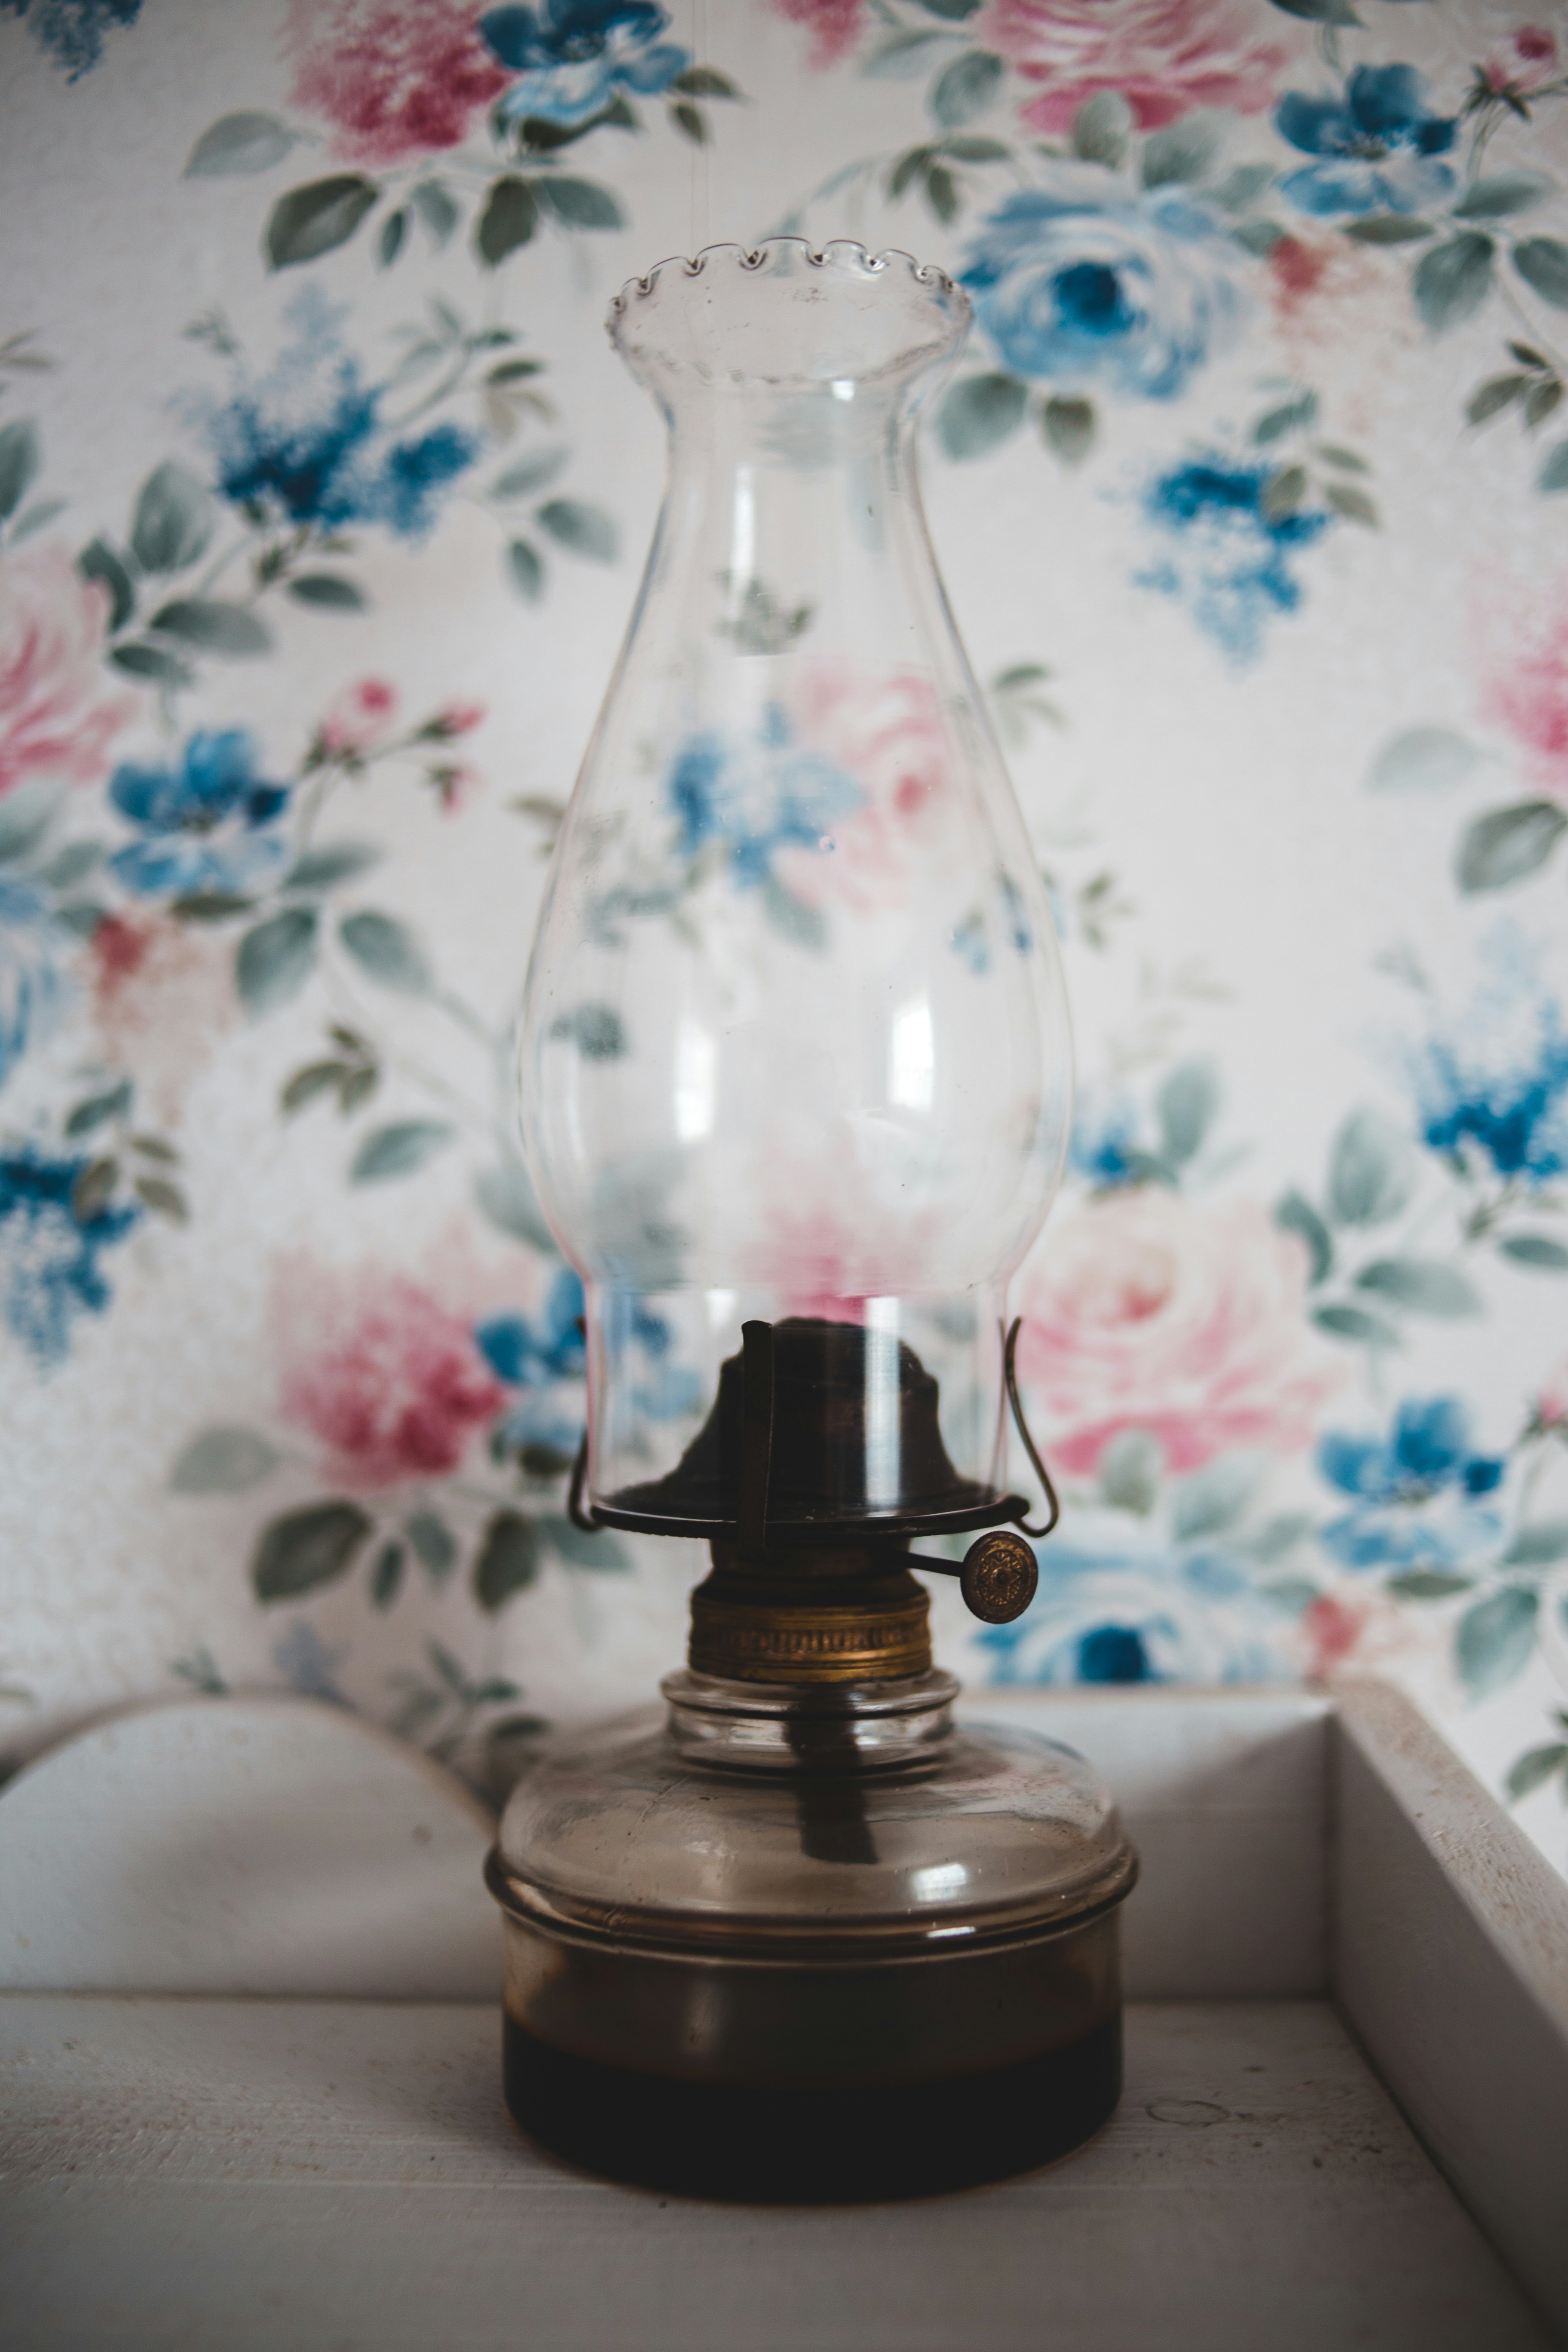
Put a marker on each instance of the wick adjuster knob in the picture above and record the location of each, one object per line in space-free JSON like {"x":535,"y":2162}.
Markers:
{"x":998,"y":1578}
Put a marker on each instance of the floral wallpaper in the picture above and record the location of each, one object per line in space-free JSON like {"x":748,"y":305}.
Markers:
{"x":322,"y":504}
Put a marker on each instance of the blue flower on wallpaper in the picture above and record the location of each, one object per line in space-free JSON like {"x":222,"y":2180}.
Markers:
{"x":32,"y":989}
{"x":1103,"y":1150}
{"x":308,"y":1665}
{"x":1123,"y":1602}
{"x":311,"y":442}
{"x":1378,"y":145}
{"x":1494,"y":1081}
{"x":662,"y":1389}
{"x":537,"y":1354}
{"x":203,"y":824}
{"x":1229,"y":561}
{"x":575,"y":55}
{"x":49,"y":1260}
{"x":1414,"y":1492}
{"x":1080,"y":281}
{"x":72,"y":31}
{"x":756,"y":797}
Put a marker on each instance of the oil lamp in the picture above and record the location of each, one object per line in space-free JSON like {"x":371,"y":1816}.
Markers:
{"x":795,"y":1077}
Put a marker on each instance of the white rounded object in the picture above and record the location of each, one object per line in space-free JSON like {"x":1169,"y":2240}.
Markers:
{"x":266,"y":1845}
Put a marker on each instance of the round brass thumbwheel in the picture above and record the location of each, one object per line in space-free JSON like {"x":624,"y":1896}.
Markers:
{"x":999,"y":1578}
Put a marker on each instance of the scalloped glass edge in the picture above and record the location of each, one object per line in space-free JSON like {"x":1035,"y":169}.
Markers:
{"x":840,"y":252}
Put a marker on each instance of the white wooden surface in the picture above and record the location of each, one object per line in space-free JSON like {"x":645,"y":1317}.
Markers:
{"x":280,"y":1845}
{"x":266,"y":1845}
{"x":268,"y":2177}
{"x":1451,"y":1956}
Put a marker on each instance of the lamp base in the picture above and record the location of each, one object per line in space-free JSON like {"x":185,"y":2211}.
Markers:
{"x":842,"y":2144}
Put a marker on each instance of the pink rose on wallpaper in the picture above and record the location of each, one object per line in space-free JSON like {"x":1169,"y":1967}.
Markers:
{"x":887,"y":735}
{"x":361,"y":718}
{"x":1526,"y":691}
{"x":1146,"y":1313}
{"x":835,"y":25}
{"x":1163,"y":57}
{"x":1521,"y":62}
{"x":377,"y":1368}
{"x":162,"y":1001}
{"x":395,"y":78}
{"x":58,"y":712}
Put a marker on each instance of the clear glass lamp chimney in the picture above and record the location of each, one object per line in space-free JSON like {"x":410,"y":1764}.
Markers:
{"x":794,"y":1045}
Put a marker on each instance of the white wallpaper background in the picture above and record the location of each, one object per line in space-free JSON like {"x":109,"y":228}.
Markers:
{"x":313,"y":573}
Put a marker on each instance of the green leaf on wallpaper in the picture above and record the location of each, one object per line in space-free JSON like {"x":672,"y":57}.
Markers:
{"x":507,"y":1199}
{"x":35,"y":518}
{"x":1537,"y":1250}
{"x":941,"y":192}
{"x":955,"y":11}
{"x":1422,"y":1286}
{"x":582,"y":528}
{"x":1428,"y":1584}
{"x":1186,"y":1106}
{"x":1102,"y":127}
{"x":1543,"y":263}
{"x":334,"y":862}
{"x":1183,"y":151}
{"x":534,"y":472}
{"x":305,"y":1549}
{"x":153,"y":664}
{"x":1293,"y":415}
{"x":1353,"y":505}
{"x":600,"y":1549}
{"x":1320,"y":12}
{"x":1129,"y":1472}
{"x":72,"y":864}
{"x":433,"y":1544}
{"x":1283,"y":493}
{"x":1355,"y":1323}
{"x":213,"y":625}
{"x":1454,"y":280}
{"x":794,"y":919}
{"x":525,"y":569}
{"x":1068,"y":426}
{"x":164,"y":1200}
{"x":99,"y":560}
{"x":21,"y":454}
{"x":393,"y":229}
{"x":316,"y":1078}
{"x":1279,"y":1535}
{"x":174,"y":521}
{"x":1540,"y":1545}
{"x":1240,"y":186}
{"x":328,"y":591}
{"x":388,"y":1152}
{"x":246,"y":142}
{"x":1214,"y":1499}
{"x":966,"y":88}
{"x":691,"y":122}
{"x":979,"y":412}
{"x":508,"y":221}
{"x":1553,"y":474}
{"x":1296,"y":1214}
{"x":1507,"y":844}
{"x":1387,"y":228}
{"x":506,"y":1561}
{"x":436,"y":209}
{"x":223,"y":1460}
{"x":597,"y":1030}
{"x":975,"y":147}
{"x":387,"y":1576}
{"x":1494,"y":1640}
{"x":1543,"y":397}
{"x":1503,"y":192}
{"x":1534,"y":1769}
{"x":1372,"y":1169}
{"x":1423,"y":759}
{"x":316,"y":218}
{"x":26,"y":812}
{"x":387,"y":952}
{"x":580,"y":204}
{"x":705,"y":81}
{"x":274,"y":959}
{"x":98,"y":1110}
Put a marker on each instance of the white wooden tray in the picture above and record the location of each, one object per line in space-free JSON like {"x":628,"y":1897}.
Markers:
{"x":251,"y":2101}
